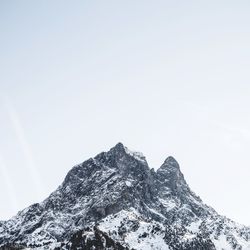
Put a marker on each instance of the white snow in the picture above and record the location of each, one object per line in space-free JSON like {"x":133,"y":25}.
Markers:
{"x":189,"y":236}
{"x":155,"y":212}
{"x":194,"y":226}
{"x":168,"y":204}
{"x":222,"y":243}
{"x":137,"y":155}
{"x":134,"y":238}
{"x":128,"y":183}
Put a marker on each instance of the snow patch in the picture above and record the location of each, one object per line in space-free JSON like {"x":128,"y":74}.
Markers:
{"x":137,"y":232}
{"x":168,"y":204}
{"x":128,"y":183}
{"x":222,"y":243}
{"x":137,"y":155}
{"x":194,"y":226}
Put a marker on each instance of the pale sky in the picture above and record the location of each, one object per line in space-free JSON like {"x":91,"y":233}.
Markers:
{"x":163,"y":77}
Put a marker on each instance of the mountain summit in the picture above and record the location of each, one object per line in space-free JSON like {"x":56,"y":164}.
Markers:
{"x":115,"y":201}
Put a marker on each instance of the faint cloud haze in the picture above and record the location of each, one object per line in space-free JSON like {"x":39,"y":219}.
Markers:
{"x":27,"y":152}
{"x":164,"y":77}
{"x":10,"y":189}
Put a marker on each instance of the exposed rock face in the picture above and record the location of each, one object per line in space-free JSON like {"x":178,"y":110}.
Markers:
{"x":115,"y":201}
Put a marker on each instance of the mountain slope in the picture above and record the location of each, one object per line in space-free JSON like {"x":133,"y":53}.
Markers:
{"x":115,"y":201}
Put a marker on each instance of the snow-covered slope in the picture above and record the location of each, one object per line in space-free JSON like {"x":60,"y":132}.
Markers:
{"x":115,"y":201}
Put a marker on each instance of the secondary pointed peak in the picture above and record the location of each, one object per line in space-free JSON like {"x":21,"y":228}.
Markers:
{"x":170,"y":165}
{"x":171,"y":161}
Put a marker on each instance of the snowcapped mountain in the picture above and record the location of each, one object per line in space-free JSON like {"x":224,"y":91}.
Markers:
{"x":115,"y":201}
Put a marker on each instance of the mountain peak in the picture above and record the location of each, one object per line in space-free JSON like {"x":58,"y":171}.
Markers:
{"x":119,"y":148}
{"x":113,"y":198}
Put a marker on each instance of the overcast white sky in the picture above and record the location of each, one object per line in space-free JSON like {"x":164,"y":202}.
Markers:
{"x":163,"y":77}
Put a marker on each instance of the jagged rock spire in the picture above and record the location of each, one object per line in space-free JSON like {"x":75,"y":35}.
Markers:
{"x":170,"y":166}
{"x":171,"y":161}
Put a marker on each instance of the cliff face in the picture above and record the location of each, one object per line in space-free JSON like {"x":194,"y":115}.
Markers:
{"x":115,"y":201}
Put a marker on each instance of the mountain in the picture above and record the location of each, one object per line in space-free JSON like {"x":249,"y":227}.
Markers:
{"x":115,"y":201}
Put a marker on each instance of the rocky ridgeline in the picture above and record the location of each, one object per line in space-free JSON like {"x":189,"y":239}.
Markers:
{"x":115,"y":201}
